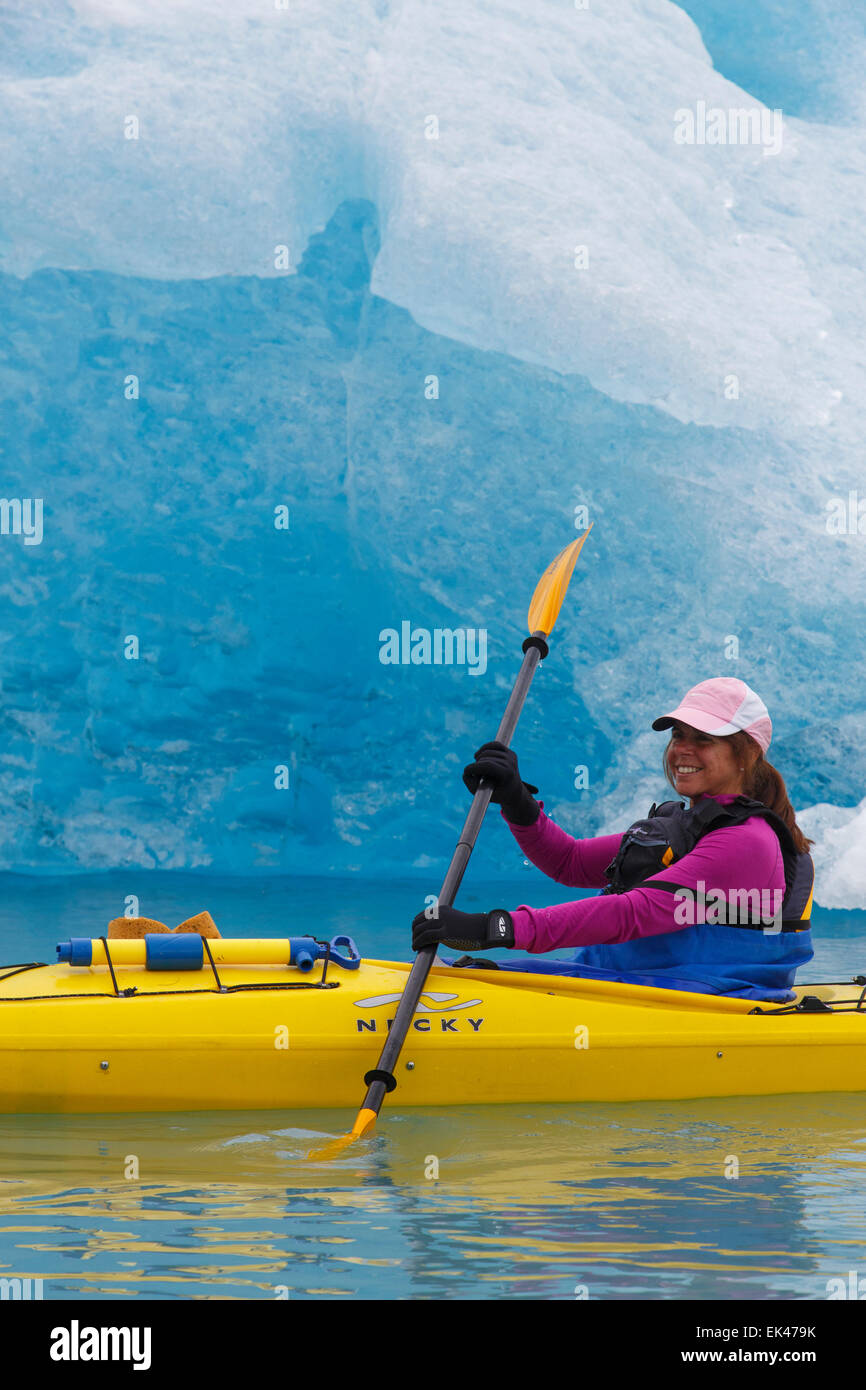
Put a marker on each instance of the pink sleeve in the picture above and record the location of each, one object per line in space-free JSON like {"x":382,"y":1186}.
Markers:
{"x":737,"y":856}
{"x":576,"y":863}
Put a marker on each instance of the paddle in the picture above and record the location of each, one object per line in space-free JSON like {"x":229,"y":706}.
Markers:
{"x":543,"y":613}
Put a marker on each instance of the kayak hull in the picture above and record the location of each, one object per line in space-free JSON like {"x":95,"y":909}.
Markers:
{"x":273,"y":1039}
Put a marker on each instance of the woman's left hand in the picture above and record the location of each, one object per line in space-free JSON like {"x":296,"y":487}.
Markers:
{"x":464,"y":931}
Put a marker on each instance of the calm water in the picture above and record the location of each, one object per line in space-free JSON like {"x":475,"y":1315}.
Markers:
{"x":615,"y":1201}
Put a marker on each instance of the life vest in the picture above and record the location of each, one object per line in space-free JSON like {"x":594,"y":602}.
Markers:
{"x":744,"y":960}
{"x":672,"y":830}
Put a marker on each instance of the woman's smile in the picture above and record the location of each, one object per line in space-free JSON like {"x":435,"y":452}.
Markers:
{"x":702,"y":765}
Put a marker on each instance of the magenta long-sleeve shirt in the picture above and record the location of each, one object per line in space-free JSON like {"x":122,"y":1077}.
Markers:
{"x":736,"y":856}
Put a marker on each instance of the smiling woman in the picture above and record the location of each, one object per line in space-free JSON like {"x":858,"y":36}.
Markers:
{"x":698,"y":764}
{"x":735,"y":848}
{"x":722,"y":749}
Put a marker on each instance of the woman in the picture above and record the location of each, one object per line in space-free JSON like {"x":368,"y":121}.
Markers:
{"x":715,"y":897}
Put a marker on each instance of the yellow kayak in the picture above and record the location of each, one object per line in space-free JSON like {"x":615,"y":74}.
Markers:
{"x":267,"y":1025}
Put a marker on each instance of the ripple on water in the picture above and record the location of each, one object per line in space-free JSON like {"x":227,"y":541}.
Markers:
{"x":620,"y":1201}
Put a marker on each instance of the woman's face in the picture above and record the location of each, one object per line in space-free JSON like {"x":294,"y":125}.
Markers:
{"x":702,"y":765}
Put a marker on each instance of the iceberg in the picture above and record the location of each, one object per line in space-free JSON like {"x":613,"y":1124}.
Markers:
{"x":840,"y":868}
{"x":323,"y":320}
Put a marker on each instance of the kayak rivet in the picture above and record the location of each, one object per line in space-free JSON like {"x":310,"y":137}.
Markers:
{"x":410,"y":1066}
{"x":720,"y":1054}
{"x":103,"y":1066}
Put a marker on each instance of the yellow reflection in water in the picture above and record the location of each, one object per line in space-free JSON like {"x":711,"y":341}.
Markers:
{"x":573,"y":1186}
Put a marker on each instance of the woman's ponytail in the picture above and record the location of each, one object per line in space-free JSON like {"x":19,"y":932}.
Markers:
{"x":765,"y":783}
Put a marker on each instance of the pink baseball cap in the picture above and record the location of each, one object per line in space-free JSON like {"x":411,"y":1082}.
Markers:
{"x":722,"y":706}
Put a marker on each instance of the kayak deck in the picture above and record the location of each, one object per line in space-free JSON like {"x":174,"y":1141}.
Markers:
{"x":80,"y":1040}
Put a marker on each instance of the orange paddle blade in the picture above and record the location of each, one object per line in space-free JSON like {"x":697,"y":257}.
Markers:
{"x":364,"y":1122}
{"x":552,"y":586}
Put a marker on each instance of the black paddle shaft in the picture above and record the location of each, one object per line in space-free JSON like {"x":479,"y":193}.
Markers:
{"x":535,"y":648}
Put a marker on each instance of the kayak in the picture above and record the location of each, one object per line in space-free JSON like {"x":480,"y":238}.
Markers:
{"x":137,"y":1026}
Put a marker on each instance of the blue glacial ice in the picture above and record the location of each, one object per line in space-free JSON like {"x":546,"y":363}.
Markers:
{"x":339,"y":270}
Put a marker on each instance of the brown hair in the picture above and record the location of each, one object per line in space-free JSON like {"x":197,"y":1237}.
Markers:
{"x":762,"y":782}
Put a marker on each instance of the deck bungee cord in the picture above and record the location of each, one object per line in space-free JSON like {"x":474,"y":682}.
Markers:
{"x":808,"y":1003}
{"x":161,"y":953}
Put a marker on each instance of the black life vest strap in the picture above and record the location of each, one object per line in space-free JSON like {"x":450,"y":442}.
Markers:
{"x":746,"y":809}
{"x":750,"y":923}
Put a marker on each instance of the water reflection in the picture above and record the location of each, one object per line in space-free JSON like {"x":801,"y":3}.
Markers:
{"x":622,"y":1201}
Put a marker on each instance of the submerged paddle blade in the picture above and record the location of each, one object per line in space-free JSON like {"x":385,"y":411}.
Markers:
{"x":364,"y":1122}
{"x":552,"y":586}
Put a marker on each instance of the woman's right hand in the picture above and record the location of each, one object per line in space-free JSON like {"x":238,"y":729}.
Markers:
{"x":497,"y":766}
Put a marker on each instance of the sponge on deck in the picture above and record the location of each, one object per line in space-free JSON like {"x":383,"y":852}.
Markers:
{"x":134,"y":928}
{"x":202,"y":923}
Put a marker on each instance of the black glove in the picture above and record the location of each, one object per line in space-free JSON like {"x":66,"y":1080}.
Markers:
{"x":498,"y":765}
{"x":465,"y":931}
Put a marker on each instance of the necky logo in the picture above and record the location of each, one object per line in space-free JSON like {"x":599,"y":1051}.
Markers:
{"x":76,"y":1343}
{"x":441,"y":999}
{"x":442,"y":1004}
{"x":501,"y":926}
